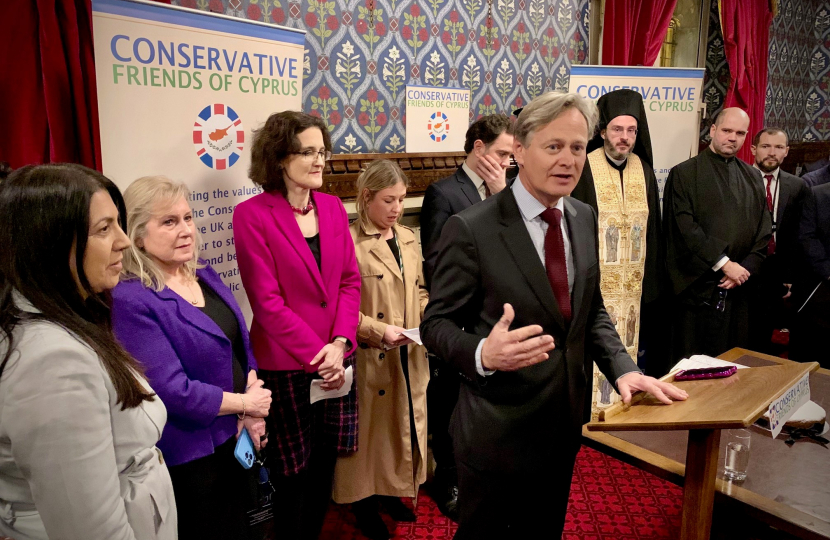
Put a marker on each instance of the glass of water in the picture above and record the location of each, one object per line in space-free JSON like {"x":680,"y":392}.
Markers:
{"x":737,"y":454}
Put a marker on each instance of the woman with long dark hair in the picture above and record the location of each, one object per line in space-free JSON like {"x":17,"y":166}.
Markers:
{"x":78,"y":421}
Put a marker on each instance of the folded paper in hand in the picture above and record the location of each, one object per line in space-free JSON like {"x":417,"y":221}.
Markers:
{"x":414,"y":334}
{"x":317,"y":393}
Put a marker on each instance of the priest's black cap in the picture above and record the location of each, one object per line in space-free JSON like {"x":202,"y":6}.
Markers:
{"x":624,"y":102}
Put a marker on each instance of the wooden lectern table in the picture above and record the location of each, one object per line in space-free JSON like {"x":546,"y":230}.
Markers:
{"x":713,"y":404}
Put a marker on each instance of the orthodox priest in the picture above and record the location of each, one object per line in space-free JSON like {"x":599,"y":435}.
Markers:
{"x":618,"y":181}
{"x":717,"y":232}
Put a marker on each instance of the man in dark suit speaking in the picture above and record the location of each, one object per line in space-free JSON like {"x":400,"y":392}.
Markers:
{"x":515,"y":306}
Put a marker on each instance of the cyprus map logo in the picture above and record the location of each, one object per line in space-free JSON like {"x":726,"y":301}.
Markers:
{"x":438,"y":126}
{"x":219,"y":136}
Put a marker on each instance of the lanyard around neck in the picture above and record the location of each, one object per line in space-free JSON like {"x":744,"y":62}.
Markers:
{"x":774,"y":195}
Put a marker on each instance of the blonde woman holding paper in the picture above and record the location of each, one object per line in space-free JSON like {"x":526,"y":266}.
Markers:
{"x":393,"y":371}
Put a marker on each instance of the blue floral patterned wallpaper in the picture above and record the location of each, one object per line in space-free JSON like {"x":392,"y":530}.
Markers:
{"x":792,"y":39}
{"x":817,"y":98}
{"x":361,"y":54}
{"x":716,"y":77}
{"x":798,"y":86}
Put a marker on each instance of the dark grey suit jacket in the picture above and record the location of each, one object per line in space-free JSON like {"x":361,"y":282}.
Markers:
{"x":443,"y":199}
{"x":817,"y":177}
{"x":518,"y":420}
{"x":814,"y":236}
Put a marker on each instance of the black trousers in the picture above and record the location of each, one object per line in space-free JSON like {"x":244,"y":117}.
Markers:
{"x":210,"y":496}
{"x":442,"y":395}
{"x":654,"y":356}
{"x":704,"y":329}
{"x":767,"y":311}
{"x":496,"y":505}
{"x":302,"y":500}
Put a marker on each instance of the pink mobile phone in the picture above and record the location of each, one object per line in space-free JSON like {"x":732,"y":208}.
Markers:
{"x":705,"y":373}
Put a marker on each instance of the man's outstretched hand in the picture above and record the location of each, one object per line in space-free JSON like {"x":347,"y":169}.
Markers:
{"x":509,"y":350}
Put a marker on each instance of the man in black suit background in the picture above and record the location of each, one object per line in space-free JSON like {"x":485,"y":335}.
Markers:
{"x":489,"y":145}
{"x":808,"y":340}
{"x":785,"y":197}
{"x":817,"y":177}
{"x":515,"y":306}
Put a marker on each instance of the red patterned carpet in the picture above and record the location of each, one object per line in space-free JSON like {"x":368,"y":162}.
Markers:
{"x":610,"y":500}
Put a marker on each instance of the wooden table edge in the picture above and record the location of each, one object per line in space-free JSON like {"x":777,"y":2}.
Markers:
{"x":776,"y":514}
{"x":733,"y":354}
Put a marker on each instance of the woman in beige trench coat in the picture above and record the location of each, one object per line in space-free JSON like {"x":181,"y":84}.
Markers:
{"x":392,"y":371}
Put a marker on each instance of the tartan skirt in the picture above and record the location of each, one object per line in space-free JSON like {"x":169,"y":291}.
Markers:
{"x":296,"y":425}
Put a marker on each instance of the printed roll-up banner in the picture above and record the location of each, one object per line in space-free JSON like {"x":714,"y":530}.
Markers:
{"x":179,"y":93}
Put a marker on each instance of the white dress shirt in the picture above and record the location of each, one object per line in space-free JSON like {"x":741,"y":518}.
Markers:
{"x":477,"y":180}
{"x":531,"y":210}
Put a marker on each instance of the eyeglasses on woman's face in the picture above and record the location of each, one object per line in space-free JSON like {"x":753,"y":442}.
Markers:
{"x":310,"y":156}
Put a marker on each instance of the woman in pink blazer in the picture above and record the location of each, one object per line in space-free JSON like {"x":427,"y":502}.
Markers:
{"x":297,"y":263}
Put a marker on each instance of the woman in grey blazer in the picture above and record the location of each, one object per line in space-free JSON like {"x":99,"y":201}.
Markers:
{"x":78,"y":421}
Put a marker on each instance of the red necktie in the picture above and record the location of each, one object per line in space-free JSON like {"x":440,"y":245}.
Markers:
{"x":486,"y":191}
{"x":555,"y":264}
{"x":771,"y":208}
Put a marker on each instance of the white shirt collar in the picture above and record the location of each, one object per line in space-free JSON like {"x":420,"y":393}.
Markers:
{"x":477,"y":180}
{"x":773,"y":173}
{"x":529,"y":206}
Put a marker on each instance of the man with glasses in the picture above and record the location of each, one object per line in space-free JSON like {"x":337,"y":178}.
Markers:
{"x":618,"y":181}
{"x":718,"y":230}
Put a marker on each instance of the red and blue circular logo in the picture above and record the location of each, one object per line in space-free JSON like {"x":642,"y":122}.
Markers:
{"x":218,"y":136}
{"x":438,"y":126}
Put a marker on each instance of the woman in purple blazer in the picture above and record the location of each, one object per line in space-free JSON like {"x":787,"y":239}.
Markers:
{"x":297,"y":262}
{"x":177,"y":318}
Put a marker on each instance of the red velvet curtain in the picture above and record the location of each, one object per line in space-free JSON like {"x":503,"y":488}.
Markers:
{"x":49,"y":110}
{"x":634,"y":30}
{"x":745,"y":25}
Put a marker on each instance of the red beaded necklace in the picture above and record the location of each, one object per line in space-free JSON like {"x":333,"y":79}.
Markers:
{"x":305,"y":209}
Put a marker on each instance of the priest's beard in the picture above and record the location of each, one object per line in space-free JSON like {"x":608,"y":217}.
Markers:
{"x":614,"y":153}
